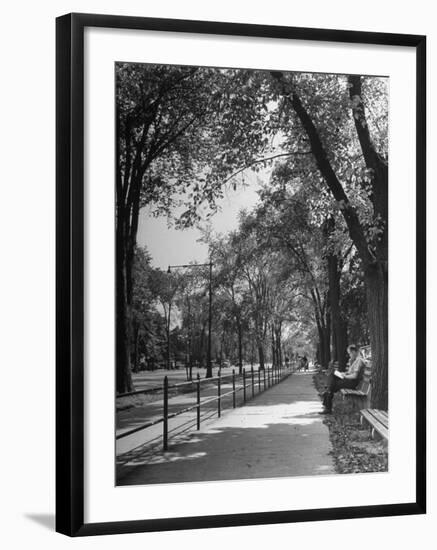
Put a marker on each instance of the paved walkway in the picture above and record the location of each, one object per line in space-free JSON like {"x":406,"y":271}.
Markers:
{"x":277,"y":434}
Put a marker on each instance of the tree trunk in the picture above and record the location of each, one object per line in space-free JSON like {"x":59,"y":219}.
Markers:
{"x":324,"y":344}
{"x":168,"y":337}
{"x":339,"y":342}
{"x":222,"y":341}
{"x":261,"y":355}
{"x":240,"y":347}
{"x":321,"y":346}
{"x":319,"y":353}
{"x":136,"y":332}
{"x":277,"y":343}
{"x":327,"y":343}
{"x":377,"y":298}
{"x":123,"y":366}
{"x":274,"y":358}
{"x":126,"y":229}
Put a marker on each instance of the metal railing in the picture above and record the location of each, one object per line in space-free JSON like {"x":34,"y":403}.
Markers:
{"x":265,"y":379}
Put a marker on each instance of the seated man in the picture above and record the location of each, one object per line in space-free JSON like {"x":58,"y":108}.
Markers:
{"x":349,"y":379}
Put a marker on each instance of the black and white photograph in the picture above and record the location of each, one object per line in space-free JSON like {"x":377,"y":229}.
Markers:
{"x":215,"y":277}
{"x":251,"y":228}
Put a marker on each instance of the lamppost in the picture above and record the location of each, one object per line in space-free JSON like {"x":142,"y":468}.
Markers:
{"x":209,"y":264}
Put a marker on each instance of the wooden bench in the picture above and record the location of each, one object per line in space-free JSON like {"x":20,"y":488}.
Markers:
{"x":378,"y":421}
{"x":362,"y":392}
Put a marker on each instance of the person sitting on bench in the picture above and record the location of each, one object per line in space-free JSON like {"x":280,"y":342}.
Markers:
{"x":338,"y":380}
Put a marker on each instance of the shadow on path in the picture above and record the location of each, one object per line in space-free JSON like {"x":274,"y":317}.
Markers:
{"x":277,"y":434}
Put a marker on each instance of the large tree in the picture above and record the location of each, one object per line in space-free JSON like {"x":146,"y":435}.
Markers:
{"x":172,"y":125}
{"x":334,"y":116}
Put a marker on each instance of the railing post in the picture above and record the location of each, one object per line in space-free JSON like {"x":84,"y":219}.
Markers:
{"x":233,"y":389}
{"x":259,"y":381}
{"x":264,"y":375}
{"x":218,"y":394}
{"x":253,"y":383}
{"x":244,"y":385}
{"x":198,"y":401}
{"x":165,"y":415}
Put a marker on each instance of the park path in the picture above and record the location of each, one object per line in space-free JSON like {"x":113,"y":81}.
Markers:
{"x":279,"y":433}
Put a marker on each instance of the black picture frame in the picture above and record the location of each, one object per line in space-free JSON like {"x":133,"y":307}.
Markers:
{"x":70,"y":273}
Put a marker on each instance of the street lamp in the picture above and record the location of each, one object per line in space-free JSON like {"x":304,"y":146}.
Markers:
{"x":209,"y":264}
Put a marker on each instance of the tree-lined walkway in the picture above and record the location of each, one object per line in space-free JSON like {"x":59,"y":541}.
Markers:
{"x":277,"y":434}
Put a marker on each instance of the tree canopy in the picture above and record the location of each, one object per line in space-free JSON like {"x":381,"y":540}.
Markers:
{"x":307,"y":264}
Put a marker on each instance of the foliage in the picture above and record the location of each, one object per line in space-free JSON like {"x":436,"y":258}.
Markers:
{"x":307,"y":261}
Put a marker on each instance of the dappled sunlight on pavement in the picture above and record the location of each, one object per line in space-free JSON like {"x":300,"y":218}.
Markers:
{"x":173,"y":457}
{"x":302,"y":412}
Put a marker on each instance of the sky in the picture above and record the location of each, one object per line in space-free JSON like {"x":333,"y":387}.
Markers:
{"x":169,"y":246}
